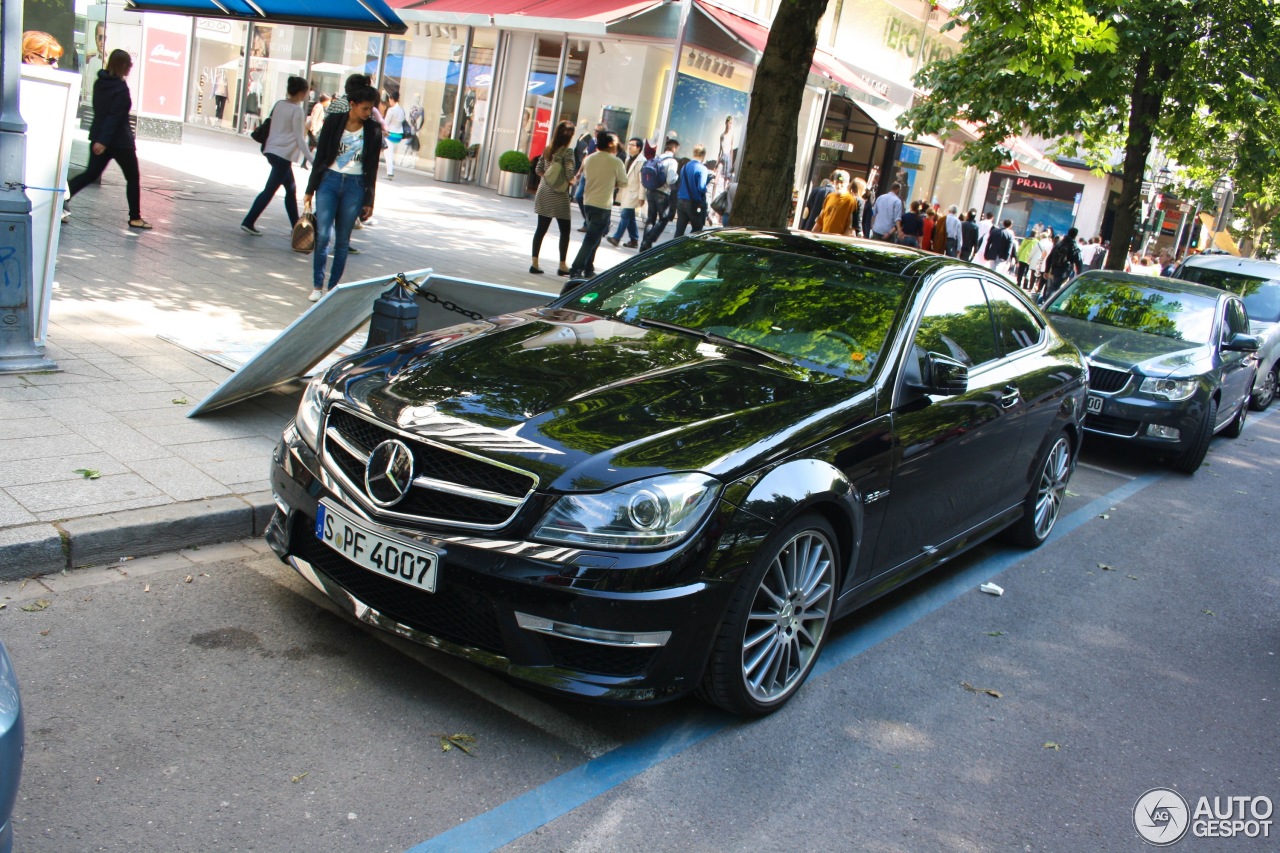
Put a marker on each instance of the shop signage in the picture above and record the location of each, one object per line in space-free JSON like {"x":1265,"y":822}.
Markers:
{"x":213,"y":25}
{"x":1046,"y":187}
{"x":909,"y":36}
{"x":837,"y":145}
{"x":164,"y":69}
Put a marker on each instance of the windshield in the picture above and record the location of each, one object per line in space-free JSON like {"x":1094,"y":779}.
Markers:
{"x":1149,"y":309}
{"x":819,"y":314}
{"x":1261,"y":295}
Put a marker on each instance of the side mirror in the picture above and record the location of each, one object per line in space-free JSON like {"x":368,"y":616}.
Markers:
{"x":943,"y":376}
{"x":1240,"y":342}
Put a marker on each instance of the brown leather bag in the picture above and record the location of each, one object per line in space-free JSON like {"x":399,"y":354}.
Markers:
{"x":303,"y":238}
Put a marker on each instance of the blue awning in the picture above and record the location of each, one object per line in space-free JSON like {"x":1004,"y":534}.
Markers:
{"x":368,"y":15}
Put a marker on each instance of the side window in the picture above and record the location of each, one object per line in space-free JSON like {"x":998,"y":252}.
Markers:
{"x":1017,"y":327}
{"x":956,"y":322}
{"x":1236,"y":321}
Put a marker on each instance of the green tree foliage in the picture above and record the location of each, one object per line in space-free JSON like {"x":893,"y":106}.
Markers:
{"x":1099,"y":76}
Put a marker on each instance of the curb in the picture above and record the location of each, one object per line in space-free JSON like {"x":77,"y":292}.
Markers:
{"x":38,"y":549}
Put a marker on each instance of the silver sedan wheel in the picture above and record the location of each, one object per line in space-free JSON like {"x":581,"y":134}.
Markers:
{"x":789,"y":617}
{"x":1053,"y":487}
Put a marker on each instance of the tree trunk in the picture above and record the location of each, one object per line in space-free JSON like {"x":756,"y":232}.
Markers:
{"x":763,"y":199}
{"x":1150,"y":78}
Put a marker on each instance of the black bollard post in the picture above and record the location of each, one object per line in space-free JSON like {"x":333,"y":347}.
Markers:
{"x":395,"y":315}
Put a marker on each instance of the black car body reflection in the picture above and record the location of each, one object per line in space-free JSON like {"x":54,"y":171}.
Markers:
{"x":1171,"y":363}
{"x":677,"y":475}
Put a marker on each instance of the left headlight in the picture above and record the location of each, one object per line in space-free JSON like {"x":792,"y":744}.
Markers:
{"x":1175,"y":390}
{"x":311,"y":411}
{"x":652,"y":513}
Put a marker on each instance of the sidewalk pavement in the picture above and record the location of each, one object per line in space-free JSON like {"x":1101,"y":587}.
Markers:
{"x":98,"y":462}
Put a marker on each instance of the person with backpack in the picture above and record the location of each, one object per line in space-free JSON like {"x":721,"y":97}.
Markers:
{"x":658,"y":177}
{"x":556,"y":168}
{"x":1063,"y":264}
{"x":691,"y":197}
{"x":286,"y":142}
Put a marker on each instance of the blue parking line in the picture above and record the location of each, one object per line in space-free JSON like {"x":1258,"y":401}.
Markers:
{"x":556,"y":798}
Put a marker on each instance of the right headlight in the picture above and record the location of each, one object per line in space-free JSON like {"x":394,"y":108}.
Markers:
{"x":311,"y":412}
{"x":1174,"y":390}
{"x":653,"y":513}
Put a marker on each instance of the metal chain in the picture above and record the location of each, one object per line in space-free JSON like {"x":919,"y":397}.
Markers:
{"x":448,"y":305}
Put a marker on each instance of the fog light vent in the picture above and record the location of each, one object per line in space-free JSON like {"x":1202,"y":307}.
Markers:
{"x":1157,"y":431}
{"x":647,"y":639}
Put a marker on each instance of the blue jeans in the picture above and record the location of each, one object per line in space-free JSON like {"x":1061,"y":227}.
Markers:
{"x":597,"y":225}
{"x":281,"y":176}
{"x":627,"y":222}
{"x":338,"y":203}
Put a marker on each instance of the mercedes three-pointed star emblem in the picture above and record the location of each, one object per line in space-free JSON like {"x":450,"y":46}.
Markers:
{"x":389,"y":473}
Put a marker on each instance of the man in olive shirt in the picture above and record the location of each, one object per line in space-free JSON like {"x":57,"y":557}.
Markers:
{"x":603,"y":173}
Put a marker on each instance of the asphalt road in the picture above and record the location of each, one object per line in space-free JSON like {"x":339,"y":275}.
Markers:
{"x":209,"y":701}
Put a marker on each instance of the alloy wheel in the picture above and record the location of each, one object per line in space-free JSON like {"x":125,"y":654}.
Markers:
{"x":789,"y":617}
{"x":1053,"y":487}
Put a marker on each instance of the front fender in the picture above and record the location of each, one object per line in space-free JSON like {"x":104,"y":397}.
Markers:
{"x":767,"y":502}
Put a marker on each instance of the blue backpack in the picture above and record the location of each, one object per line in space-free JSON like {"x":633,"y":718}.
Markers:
{"x":653,"y":174}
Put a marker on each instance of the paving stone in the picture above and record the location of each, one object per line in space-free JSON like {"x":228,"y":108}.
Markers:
{"x":197,"y":430}
{"x":81,"y":493}
{"x":13,"y":513}
{"x":23,"y":472}
{"x":33,"y":549}
{"x":213,"y":452}
{"x":12,"y":427}
{"x":121,"y":441}
{"x":46,"y":447}
{"x":179,"y":479}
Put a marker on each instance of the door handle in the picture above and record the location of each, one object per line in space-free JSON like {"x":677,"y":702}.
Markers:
{"x":1010,"y":397}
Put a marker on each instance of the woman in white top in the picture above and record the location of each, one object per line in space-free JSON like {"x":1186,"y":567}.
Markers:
{"x":286,"y":142}
{"x":393,"y":125}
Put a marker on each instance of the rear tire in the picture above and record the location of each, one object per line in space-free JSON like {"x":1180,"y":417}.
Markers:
{"x":777,"y":620}
{"x":1043,"y":505}
{"x":1189,"y":461}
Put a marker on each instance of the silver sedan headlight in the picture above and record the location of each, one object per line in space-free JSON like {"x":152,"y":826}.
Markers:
{"x":311,"y":412}
{"x":653,"y":513}
{"x":1174,"y":390}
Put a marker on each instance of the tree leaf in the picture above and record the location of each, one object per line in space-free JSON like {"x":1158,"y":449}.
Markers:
{"x":88,"y":473}
{"x":37,"y":605}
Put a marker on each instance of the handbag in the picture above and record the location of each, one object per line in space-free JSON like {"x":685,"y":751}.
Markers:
{"x":261,"y":132}
{"x":303,"y":238}
{"x":720,"y":204}
{"x":553,"y":175}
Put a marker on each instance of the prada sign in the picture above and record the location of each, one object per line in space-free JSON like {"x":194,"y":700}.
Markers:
{"x":1046,"y":187}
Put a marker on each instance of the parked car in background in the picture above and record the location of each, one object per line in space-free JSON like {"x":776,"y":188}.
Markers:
{"x":1258,"y":284}
{"x":1170,"y":362}
{"x":675,"y":476}
{"x":11,"y":747}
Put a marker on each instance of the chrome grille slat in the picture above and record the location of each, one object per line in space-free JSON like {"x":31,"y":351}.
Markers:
{"x":450,"y":487}
{"x":1107,"y":380}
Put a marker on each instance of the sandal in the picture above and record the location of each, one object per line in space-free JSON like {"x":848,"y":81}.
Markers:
{"x":140,"y":224}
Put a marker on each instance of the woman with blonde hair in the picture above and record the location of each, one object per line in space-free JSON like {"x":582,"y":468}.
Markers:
{"x":837,"y":210}
{"x":40,"y":48}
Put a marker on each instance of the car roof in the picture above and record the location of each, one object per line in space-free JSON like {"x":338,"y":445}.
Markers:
{"x":1230,"y":263}
{"x":1168,"y":285}
{"x":873,"y":254}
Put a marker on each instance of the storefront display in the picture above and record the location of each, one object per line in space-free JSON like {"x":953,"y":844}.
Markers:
{"x":1033,"y":202}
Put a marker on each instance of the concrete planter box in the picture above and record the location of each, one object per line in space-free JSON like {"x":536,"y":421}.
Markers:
{"x":448,"y":171}
{"x":512,"y":184}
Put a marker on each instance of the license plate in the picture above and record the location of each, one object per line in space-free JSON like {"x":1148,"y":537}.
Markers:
{"x":1093,"y":406}
{"x":377,"y":550}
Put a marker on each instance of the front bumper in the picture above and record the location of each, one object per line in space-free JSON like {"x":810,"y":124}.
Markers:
{"x":485,"y":581}
{"x":1129,"y":416}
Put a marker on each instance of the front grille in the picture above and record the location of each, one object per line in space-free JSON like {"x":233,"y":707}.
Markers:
{"x":1104,"y":380}
{"x":425,"y":503}
{"x":598,"y":659}
{"x":451,"y":613}
{"x":1122,"y":427}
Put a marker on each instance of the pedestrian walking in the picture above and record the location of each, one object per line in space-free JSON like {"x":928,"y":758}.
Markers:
{"x":111,"y":138}
{"x":286,"y":142}
{"x":585,"y":147}
{"x":999,"y":247}
{"x":953,"y":230}
{"x":1062,"y":264}
{"x":551,"y":201}
{"x":928,"y":220}
{"x":969,"y":235}
{"x":341,"y":103}
{"x":632,"y":195}
{"x":691,"y":197}
{"x":838,"y":208}
{"x":343,"y":181}
{"x":887,"y":213}
{"x":813,"y":204}
{"x":603,"y":173}
{"x":984,"y":230}
{"x":394,"y":127}
{"x":659,"y":177}
{"x":1028,"y":251}
{"x":316,"y":119}
{"x":911,"y":226}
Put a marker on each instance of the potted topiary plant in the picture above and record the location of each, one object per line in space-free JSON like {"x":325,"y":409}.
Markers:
{"x":449,"y":156}
{"x":515,"y":168}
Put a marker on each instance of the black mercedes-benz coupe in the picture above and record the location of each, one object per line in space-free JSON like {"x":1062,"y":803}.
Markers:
{"x":675,"y":476}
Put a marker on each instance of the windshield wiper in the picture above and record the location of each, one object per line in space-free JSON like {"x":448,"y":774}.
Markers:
{"x":712,"y":338}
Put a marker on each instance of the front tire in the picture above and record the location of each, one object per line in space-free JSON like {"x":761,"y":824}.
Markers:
{"x":1189,"y":461}
{"x":777,"y":620}
{"x":1236,"y":428}
{"x":1044,"y":502}
{"x":1264,"y":398}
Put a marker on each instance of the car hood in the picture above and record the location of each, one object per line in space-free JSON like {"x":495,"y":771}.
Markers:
{"x":586,"y":403}
{"x":1123,"y":349}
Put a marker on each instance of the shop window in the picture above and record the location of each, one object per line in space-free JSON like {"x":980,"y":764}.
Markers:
{"x":214,"y":99}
